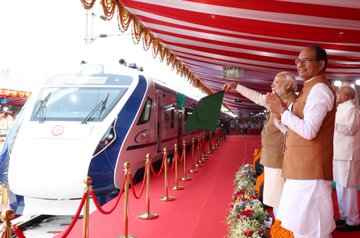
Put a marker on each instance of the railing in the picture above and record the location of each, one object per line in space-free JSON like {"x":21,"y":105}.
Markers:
{"x":199,"y":151}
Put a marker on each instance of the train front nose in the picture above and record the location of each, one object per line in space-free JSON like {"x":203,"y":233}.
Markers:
{"x":50,"y":167}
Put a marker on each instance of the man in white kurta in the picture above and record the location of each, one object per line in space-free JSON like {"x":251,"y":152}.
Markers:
{"x":346,"y":163}
{"x":306,"y":206}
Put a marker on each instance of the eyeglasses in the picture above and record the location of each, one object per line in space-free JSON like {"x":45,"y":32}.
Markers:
{"x":304,"y":60}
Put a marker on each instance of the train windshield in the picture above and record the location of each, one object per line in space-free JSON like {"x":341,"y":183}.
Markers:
{"x":76,"y":103}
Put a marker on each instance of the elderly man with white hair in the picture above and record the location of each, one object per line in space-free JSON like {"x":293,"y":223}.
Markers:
{"x":272,"y":139}
{"x":346,"y":161}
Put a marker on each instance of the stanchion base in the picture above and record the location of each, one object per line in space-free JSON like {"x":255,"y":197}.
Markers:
{"x":129,"y":236}
{"x":199,"y":165}
{"x":193,"y":171}
{"x":177,"y":187}
{"x":148,"y":215}
{"x":185,"y":178}
{"x":167,"y":198}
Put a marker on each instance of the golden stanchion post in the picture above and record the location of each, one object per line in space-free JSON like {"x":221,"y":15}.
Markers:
{"x":166,"y":197}
{"x":206,"y":147}
{"x":193,"y":169}
{"x":184,"y":178}
{"x":176,"y":186}
{"x":203,"y":144}
{"x":213,"y":141}
{"x":85,"y":231}
{"x":6,"y":216}
{"x":209,"y":144}
{"x":148,"y":215}
{"x":4,"y":195}
{"x":126,"y":201}
{"x":200,"y":162}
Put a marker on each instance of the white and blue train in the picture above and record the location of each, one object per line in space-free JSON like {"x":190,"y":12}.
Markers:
{"x":88,"y":124}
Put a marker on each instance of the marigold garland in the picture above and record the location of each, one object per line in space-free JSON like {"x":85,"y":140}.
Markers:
{"x":138,"y":29}
{"x":277,"y":231}
{"x":156,"y":46}
{"x":147,"y":39}
{"x":109,"y":7}
{"x":88,"y":4}
{"x":259,"y":183}
{"x":257,"y":154}
{"x":124,"y":18}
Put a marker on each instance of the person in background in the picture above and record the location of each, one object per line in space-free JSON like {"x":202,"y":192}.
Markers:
{"x":306,"y":206}
{"x":272,"y":140}
{"x":346,"y":163}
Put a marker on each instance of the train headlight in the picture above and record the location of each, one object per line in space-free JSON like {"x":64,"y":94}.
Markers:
{"x":106,"y":140}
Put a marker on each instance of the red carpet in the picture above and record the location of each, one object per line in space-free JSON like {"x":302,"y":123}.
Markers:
{"x":200,"y":210}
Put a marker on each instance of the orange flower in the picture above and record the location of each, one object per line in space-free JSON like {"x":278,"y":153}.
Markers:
{"x":259,"y":182}
{"x":277,"y":231}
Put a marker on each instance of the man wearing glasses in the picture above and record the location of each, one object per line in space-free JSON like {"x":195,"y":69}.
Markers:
{"x":306,"y":206}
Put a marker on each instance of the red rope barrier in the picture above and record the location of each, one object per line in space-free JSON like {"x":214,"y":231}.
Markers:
{"x":96,"y":202}
{"x":73,"y":221}
{"x":161,"y":168}
{"x":182,"y":155}
{"x":176,"y":156}
{"x":18,"y":232}
{"x":142,"y":185}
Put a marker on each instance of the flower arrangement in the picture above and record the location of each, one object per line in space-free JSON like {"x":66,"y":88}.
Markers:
{"x":247,"y":214}
{"x":279,"y":232}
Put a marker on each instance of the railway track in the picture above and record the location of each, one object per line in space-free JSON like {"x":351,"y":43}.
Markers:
{"x":42,"y":226}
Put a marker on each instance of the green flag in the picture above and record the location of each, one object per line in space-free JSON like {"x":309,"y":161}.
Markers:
{"x":206,"y":113}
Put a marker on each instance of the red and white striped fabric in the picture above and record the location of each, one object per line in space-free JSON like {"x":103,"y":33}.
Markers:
{"x":261,"y":36}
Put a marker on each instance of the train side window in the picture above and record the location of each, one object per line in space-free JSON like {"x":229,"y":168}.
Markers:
{"x":146,"y":112}
{"x":188,"y":112}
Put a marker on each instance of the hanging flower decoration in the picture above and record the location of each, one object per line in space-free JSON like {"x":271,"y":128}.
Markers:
{"x":109,"y":7}
{"x":137,"y":31}
{"x":247,"y":215}
{"x":147,"y":39}
{"x":155,"y":44}
{"x":88,"y":4}
{"x":162,"y":51}
{"x":125,"y":18}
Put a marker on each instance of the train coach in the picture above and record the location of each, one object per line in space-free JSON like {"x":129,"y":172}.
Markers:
{"x":88,"y":123}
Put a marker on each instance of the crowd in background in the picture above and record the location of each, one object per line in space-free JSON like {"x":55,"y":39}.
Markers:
{"x":243,"y":124}
{"x":6,"y":121}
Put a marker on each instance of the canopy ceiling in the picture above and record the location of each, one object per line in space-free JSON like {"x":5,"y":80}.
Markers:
{"x":263,"y":37}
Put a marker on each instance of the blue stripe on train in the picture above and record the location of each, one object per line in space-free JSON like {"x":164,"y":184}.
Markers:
{"x":102,"y":167}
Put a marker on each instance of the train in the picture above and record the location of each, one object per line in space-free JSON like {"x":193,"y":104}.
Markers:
{"x":88,"y":123}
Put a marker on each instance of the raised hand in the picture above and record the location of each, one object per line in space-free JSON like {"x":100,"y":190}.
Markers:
{"x":228,"y":86}
{"x":274,"y":103}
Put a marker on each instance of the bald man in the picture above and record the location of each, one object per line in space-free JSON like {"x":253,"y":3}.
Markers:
{"x":346,"y":162}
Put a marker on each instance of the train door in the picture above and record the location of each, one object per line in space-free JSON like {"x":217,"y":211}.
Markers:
{"x":159,"y":120}
{"x":180,"y":126}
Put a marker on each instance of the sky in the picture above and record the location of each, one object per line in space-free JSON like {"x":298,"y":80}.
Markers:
{"x":46,"y":37}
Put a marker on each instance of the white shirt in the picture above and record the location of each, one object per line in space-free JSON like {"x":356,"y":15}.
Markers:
{"x":347,"y":132}
{"x":319,"y":101}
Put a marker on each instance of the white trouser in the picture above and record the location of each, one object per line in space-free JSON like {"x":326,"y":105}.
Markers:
{"x":273,"y":187}
{"x":300,"y":236}
{"x":348,"y":204}
{"x":306,"y":208}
